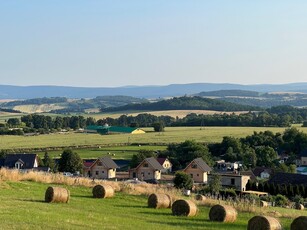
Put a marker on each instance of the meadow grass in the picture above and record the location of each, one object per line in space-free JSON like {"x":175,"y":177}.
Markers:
{"x":171,"y":135}
{"x":23,"y":207}
{"x":116,"y":152}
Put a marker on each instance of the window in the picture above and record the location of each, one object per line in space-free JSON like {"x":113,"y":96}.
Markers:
{"x":97,"y":172}
{"x":232,"y":182}
{"x":191,"y":175}
{"x":99,"y":163}
{"x":145,"y":165}
{"x":102,"y":171}
{"x":194,"y":166}
{"x":197,"y":174}
{"x":148,"y":173}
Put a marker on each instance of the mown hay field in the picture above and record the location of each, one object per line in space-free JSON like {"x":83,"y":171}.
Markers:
{"x":171,"y":135}
{"x":23,"y":207}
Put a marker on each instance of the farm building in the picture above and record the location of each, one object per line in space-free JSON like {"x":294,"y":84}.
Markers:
{"x":198,"y":169}
{"x":148,"y":169}
{"x":233,"y":180}
{"x":102,"y":168}
{"x":112,"y":129}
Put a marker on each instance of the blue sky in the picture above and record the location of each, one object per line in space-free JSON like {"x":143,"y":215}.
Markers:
{"x":152,"y":42}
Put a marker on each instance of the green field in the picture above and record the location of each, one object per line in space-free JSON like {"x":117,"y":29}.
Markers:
{"x":23,"y":207}
{"x":119,"y":152}
{"x":171,"y":135}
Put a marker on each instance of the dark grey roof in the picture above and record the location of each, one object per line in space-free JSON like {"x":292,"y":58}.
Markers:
{"x":108,"y":162}
{"x":288,"y":178}
{"x":154,"y":163}
{"x":201,"y":164}
{"x":27,"y":158}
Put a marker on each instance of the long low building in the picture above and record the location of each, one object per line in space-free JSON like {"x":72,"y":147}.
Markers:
{"x":233,"y":180}
{"x":106,"y":129}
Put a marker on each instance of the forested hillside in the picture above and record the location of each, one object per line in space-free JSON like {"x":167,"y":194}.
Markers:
{"x":179,"y":103}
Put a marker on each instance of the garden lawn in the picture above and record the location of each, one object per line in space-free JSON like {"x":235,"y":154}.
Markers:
{"x":23,"y":207}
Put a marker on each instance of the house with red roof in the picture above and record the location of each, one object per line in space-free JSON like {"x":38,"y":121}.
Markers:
{"x":166,"y":164}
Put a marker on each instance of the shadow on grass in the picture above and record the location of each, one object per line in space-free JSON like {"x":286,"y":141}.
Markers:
{"x":156,"y":213}
{"x":32,"y":200}
{"x":84,"y":196}
{"x":130,"y":206}
{"x":202,"y":224}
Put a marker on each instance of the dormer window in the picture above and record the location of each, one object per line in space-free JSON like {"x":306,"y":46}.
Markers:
{"x":19,"y":164}
{"x":194,"y":166}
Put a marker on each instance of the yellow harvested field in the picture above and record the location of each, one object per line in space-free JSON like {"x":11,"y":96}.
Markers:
{"x":37,"y":108}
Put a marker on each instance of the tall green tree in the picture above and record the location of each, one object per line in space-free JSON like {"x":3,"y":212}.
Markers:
{"x":183,"y":180}
{"x":266,"y":156}
{"x":48,"y":161}
{"x":13,"y":122}
{"x":184,"y":153}
{"x":138,"y":158}
{"x":215,"y":183}
{"x":70,"y":162}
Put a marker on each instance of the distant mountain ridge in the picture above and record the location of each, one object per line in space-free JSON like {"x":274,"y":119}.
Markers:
{"x":252,"y":98}
{"x":28,"y":92}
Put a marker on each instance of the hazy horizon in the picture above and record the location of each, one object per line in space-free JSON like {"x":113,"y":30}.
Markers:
{"x":152,"y":43}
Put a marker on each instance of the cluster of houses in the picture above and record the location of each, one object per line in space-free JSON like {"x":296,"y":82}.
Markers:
{"x":154,"y":169}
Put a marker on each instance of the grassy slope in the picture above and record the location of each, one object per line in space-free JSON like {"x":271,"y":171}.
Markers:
{"x":22,"y":207}
{"x":171,"y":135}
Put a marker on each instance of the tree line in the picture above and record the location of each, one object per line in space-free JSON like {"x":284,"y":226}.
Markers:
{"x":283,"y":116}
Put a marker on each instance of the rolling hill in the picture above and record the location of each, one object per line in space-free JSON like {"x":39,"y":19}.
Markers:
{"x":183,"y":103}
{"x":253,"y":98}
{"x":27,"y":92}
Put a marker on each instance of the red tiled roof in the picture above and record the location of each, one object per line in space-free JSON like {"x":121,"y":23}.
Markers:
{"x":161,"y":160}
{"x":88,"y":163}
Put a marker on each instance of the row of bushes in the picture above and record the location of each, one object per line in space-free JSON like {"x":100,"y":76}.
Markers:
{"x":287,"y":190}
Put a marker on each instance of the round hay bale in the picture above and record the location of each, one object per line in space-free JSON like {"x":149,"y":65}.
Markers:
{"x":299,"y":206}
{"x":159,"y":201}
{"x":223,"y":213}
{"x":103,"y":191}
{"x":263,"y":223}
{"x":57,"y":195}
{"x":299,"y":223}
{"x":184,"y":208}
{"x":200,"y":197}
{"x":263,"y":203}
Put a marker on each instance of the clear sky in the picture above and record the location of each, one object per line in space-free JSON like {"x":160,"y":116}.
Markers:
{"x":152,"y":42}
